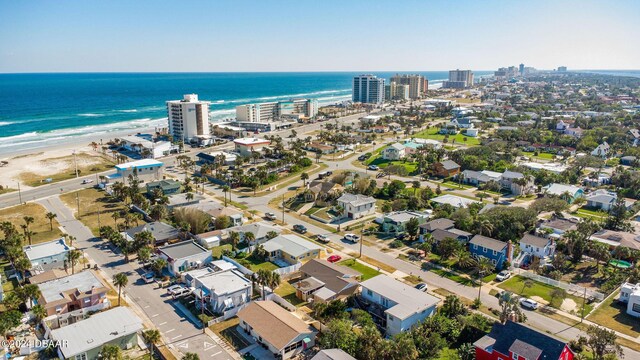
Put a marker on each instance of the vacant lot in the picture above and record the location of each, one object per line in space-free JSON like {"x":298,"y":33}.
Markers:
{"x":451,"y":139}
{"x":40,"y":226}
{"x":94,"y":204}
{"x":64,"y":168}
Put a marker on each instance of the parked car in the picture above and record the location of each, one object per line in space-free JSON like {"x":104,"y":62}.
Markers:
{"x":381,"y":175}
{"x":334,"y":258}
{"x":528,"y":304}
{"x":352,"y":237}
{"x":299,"y":228}
{"x":362,"y":158}
{"x":421,"y":287}
{"x":87,"y":181}
{"x":322,"y":238}
{"x":373,"y":167}
{"x":178,"y":290}
{"x":270,"y":216}
{"x":503,"y":275}
{"x":401,"y":236}
{"x":148,"y":277}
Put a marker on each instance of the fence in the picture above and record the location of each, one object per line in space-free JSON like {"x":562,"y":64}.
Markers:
{"x":280,"y":301}
{"x":242,"y":269}
{"x":288,"y":270}
{"x":571,"y":288}
{"x":227,"y":315}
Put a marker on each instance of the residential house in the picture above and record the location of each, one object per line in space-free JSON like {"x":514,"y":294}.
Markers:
{"x":320,"y":148}
{"x":183,"y":200}
{"x":332,"y":354}
{"x":281,"y":332}
{"x":216,"y":210}
{"x":635,"y":134}
{"x":48,"y":255}
{"x":322,"y":191}
{"x":145,"y":169}
{"x":161,"y":232}
{"x":355,"y":206}
{"x":617,"y":238}
{"x":396,"y":222}
{"x":84,"y":339}
{"x":477,"y":178}
{"x":225,"y":288}
{"x":602,"y":150}
{"x":446,"y":168}
{"x":431,"y":226}
{"x":517,"y":183}
{"x":515,"y":341}
{"x":323,"y":281}
{"x":221,"y":157}
{"x":558,"y":226}
{"x":630,"y":294}
{"x":601,"y":199}
{"x":427,"y":143}
{"x":209,"y":239}
{"x":291,"y":249}
{"x":496,"y":251}
{"x":453,"y":200}
{"x":462,"y":122}
{"x":569,"y":193}
{"x":83,"y":290}
{"x":395,"y":306}
{"x":537,"y":246}
{"x":168,"y":187}
{"x":461,"y":236}
{"x":394,"y":151}
{"x":259,"y":229}
{"x":184,"y":256}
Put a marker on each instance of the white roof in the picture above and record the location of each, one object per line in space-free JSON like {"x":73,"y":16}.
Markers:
{"x":223,"y":265}
{"x":408,"y":299}
{"x":224,"y":282}
{"x":559,"y":189}
{"x":251,"y":141}
{"x":96,"y":331}
{"x":291,"y":244}
{"x":83,"y":281}
{"x":453,"y":200}
{"x":356,"y":199}
{"x":42,"y":250}
{"x":139,"y":163}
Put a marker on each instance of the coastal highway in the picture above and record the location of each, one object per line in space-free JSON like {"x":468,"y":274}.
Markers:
{"x":33,"y":194}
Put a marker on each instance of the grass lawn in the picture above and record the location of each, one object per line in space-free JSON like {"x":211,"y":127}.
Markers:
{"x":412,"y":279}
{"x":613,"y":315}
{"x":93,"y":203}
{"x":255,"y":266}
{"x":489,"y":278}
{"x":455,"y":185}
{"x":432,"y":133}
{"x":87,"y":164}
{"x":588,"y":213}
{"x":288,"y":292}
{"x":227,"y":330}
{"x":366,"y":271}
{"x":516,"y":285}
{"x":455,"y":277}
{"x":40,"y":226}
{"x":217,"y":251}
{"x":546,"y":156}
{"x":382,"y":163}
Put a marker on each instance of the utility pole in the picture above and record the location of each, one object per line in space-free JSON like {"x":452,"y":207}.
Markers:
{"x":202,"y":308}
{"x":19,"y":193}
{"x":282,"y":209}
{"x":78,"y":204}
{"x":99,"y":219}
{"x":75,"y":162}
{"x":361,"y":240}
{"x":584,"y":298}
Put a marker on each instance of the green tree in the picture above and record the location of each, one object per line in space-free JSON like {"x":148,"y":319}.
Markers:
{"x":304,"y":177}
{"x":370,"y":343}
{"x":39,"y":312}
{"x":50,"y":215}
{"x":191,"y":356}
{"x":482,"y":266}
{"x":226,"y":189}
{"x":339,"y":334}
{"x":144,"y":254}
{"x":234,"y":238}
{"x":120,"y":280}
{"x":602,"y":342}
{"x":110,"y":352}
{"x":412,"y":227}
{"x":510,"y":309}
{"x":452,"y":307}
{"x":271,"y":234}
{"x":9,"y":320}
{"x":249,"y":237}
{"x":72,"y":258}
{"x":152,"y":337}
{"x":158,"y":264}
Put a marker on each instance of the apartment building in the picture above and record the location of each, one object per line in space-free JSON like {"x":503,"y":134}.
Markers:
{"x":368,"y":89}
{"x":188,"y":118}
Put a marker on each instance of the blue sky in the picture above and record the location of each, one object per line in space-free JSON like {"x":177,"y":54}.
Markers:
{"x":323,"y":35}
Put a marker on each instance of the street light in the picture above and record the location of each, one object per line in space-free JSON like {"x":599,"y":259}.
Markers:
{"x":19,"y":192}
{"x":75,"y":162}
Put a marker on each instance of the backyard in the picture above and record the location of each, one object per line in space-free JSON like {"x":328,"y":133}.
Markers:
{"x":229,"y":331}
{"x":542,"y":155}
{"x":366,"y":271}
{"x":432,"y":133}
{"x":382,"y":163}
{"x":41,"y":227}
{"x":286,"y":291}
{"x":613,"y":315}
{"x":96,"y":207}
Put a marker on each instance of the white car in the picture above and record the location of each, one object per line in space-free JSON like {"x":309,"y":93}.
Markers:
{"x":528,"y":304}
{"x":373,"y":167}
{"x":87,"y":181}
{"x":270,"y":216}
{"x":177,"y":290}
{"x":352,"y":237}
{"x":503,"y":275}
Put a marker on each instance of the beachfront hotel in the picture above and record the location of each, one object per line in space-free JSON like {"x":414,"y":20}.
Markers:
{"x":188,"y":118}
{"x":459,"y":79}
{"x":395,"y":91}
{"x":368,"y":89}
{"x":278,"y":110}
{"x":418,"y":84}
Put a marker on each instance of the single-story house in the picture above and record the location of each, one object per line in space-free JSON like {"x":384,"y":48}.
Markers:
{"x":224,"y":287}
{"x":355,"y":206}
{"x":602,"y":150}
{"x":283,"y":334}
{"x":479,"y":177}
{"x":628,"y":160}
{"x":168,"y":186}
{"x":453,"y":200}
{"x":515,"y":341}
{"x":320,"y":191}
{"x":184,"y":256}
{"x":397,"y":307}
{"x":495,"y":250}
{"x":442,"y":223}
{"x":446,"y":168}
{"x":84,"y":339}
{"x":324,"y":281}
{"x":211,"y":157}
{"x":630,"y":294}
{"x":209,"y":239}
{"x":161,"y":232}
{"x":569,"y":193}
{"x":183,"y":199}
{"x":617,"y":238}
{"x":396,"y":222}
{"x":605,"y":200}
{"x":291,"y":248}
{"x":558,"y":226}
{"x":83,"y":290}
{"x":320,"y":148}
{"x":440,"y":234}
{"x":259,"y":229}
{"x":48,"y":255}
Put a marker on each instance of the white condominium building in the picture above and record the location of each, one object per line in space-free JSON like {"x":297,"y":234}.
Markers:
{"x":395,"y":91}
{"x":459,"y":79}
{"x":188,"y":118}
{"x":273,"y":111}
{"x":368,"y":89}
{"x":418,"y":84}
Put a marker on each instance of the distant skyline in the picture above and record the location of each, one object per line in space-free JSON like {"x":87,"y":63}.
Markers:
{"x":322,"y":35}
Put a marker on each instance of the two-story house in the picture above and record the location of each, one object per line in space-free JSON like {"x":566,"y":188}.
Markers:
{"x":394,"y":151}
{"x":630,"y":295}
{"x":602,"y":150}
{"x":395,"y":306}
{"x":355,"y":206}
{"x":324,"y":281}
{"x":495,"y":250}
{"x":83,"y":290}
{"x":515,"y":341}
{"x":223,"y":286}
{"x":446,"y":168}
{"x":184,"y":256}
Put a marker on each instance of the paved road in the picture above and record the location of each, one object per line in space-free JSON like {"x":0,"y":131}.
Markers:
{"x":177,"y":330}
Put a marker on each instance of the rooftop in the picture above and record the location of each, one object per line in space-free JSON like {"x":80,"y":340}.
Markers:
{"x":273,"y":323}
{"x":519,"y":338}
{"x":224,"y":282}
{"x":332,"y":354}
{"x":83,"y":282}
{"x":560,"y":189}
{"x":161,"y":231}
{"x":442,"y":223}
{"x":96,"y":331}
{"x":408,"y":299}
{"x":139,"y":164}
{"x":335,"y":277}
{"x":453,"y":200}
{"x":50,"y":248}
{"x":182,"y":250}
{"x":291,"y":244}
{"x":251,"y":141}
{"x":356,"y":199}
{"x":536,"y":241}
{"x":489,"y":243}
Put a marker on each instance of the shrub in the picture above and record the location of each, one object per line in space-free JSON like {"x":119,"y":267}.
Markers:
{"x":396,"y":244}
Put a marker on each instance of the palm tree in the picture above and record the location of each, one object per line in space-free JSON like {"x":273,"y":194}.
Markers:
{"x":115,"y":215}
{"x":226,"y":189}
{"x":110,"y":352}
{"x":30,"y":292}
{"x":152,"y":337}
{"x":249,"y":237}
{"x":71,"y":240}
{"x":234,"y":237}
{"x":463,"y":258}
{"x":50,"y":215}
{"x":72,"y":257}
{"x":415,"y":185}
{"x":263,"y":279}
{"x":486,"y":227}
{"x":273,"y":281}
{"x":120,"y":280}
{"x":158,"y":212}
{"x":22,"y":264}
{"x":600,"y":252}
{"x":482,"y":266}
{"x":39,"y":312}
{"x":158,"y":264}
{"x":510,"y":309}
{"x":304,"y":177}
{"x":144,"y":254}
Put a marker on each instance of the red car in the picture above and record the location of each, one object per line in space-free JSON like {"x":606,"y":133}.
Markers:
{"x":334,"y":258}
